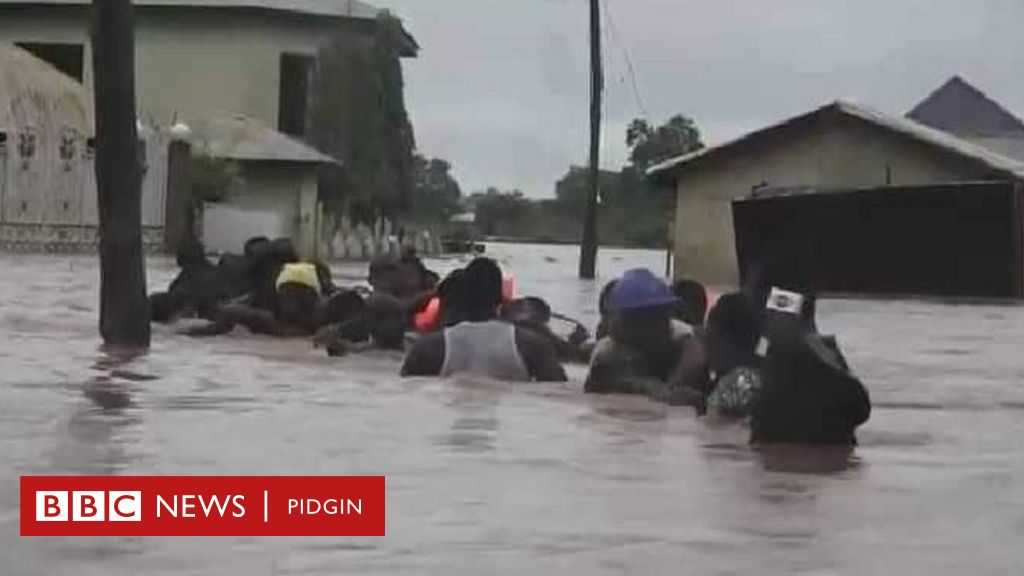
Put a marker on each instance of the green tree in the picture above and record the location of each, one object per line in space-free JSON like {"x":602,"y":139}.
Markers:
{"x":649,"y":145}
{"x":501,"y":213}
{"x":436,"y":194}
{"x":357,"y":114}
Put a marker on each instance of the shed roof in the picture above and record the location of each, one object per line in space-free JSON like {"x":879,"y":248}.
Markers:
{"x":245,"y":139}
{"x":34,"y":93}
{"x":962,"y":109}
{"x":898,"y":125}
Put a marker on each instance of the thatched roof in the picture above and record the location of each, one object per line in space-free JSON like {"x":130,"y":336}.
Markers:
{"x":34,"y":93}
{"x":245,"y":139}
{"x":897,"y":125}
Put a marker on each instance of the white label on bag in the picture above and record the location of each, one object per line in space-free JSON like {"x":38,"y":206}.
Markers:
{"x":784,"y":301}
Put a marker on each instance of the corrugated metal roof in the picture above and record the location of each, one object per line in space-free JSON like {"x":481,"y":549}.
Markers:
{"x":245,"y":139}
{"x":903,"y":126}
{"x":34,"y":93}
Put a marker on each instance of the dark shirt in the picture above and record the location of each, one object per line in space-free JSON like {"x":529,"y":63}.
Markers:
{"x":809,"y":396}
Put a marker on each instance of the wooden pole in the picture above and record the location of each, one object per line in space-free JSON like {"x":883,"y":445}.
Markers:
{"x":124,"y":308}
{"x":588,"y":247}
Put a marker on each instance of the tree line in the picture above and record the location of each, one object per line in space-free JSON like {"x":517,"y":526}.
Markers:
{"x":632,"y":211}
{"x":357,"y":114}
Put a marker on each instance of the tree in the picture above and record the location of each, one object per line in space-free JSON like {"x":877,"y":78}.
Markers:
{"x":124,"y":308}
{"x":436,"y":193}
{"x":648,"y":145}
{"x":501,"y":213}
{"x":357,"y":114}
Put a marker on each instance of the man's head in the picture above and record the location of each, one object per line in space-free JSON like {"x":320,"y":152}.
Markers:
{"x":451,"y":292}
{"x":732,"y":332}
{"x":604,"y":305}
{"x":191,"y":254}
{"x":693,"y":302}
{"x":528,"y":310}
{"x":298,"y":295}
{"x":482,"y":289}
{"x":253,"y":245}
{"x":643,"y":306}
{"x":387,"y":320}
{"x":391,"y":275}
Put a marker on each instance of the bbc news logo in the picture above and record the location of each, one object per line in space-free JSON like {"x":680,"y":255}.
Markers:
{"x":202,"y":506}
{"x":90,"y":506}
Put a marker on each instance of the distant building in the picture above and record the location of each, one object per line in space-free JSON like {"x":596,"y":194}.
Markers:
{"x":202,"y":58}
{"x":838,"y":148}
{"x":960,"y":109}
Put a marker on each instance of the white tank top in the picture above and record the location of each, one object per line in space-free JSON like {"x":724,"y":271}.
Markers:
{"x":485,"y":349}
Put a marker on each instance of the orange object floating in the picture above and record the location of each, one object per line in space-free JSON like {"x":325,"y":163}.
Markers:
{"x":428,"y":318}
{"x":508,"y":287}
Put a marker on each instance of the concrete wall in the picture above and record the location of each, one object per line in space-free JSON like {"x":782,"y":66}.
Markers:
{"x":196,"y":63}
{"x":276,"y":200}
{"x":48,"y":198}
{"x":834,"y":152}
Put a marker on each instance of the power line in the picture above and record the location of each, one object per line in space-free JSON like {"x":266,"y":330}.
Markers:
{"x":616,"y":37}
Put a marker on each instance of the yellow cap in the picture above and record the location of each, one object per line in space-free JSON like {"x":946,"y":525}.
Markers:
{"x":299,"y":273}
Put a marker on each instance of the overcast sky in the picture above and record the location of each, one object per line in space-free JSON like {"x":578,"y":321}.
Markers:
{"x":501,"y":86}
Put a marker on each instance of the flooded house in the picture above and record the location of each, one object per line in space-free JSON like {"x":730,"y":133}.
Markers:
{"x":238,"y":68}
{"x":862,"y":201}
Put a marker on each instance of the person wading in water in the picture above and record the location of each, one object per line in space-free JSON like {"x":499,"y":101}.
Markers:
{"x":483,"y":345}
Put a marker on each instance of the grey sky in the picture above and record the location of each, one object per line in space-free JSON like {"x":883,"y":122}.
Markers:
{"x":501,"y":87}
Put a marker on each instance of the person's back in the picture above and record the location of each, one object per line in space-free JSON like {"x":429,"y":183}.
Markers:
{"x":808,"y":393}
{"x":483,"y":349}
{"x":482,"y":345}
{"x":808,"y":397}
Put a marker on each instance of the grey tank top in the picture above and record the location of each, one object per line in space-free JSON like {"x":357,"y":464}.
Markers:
{"x":485,"y":349}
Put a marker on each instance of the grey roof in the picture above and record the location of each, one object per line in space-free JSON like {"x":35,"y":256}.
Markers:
{"x":337,"y":8}
{"x":902,"y":126}
{"x":960,"y":108}
{"x":329,"y":8}
{"x":245,"y":139}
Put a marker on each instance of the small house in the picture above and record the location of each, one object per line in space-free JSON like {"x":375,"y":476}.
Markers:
{"x":787,"y":189}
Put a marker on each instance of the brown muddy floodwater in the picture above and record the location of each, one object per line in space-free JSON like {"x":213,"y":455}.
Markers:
{"x":529,"y":479}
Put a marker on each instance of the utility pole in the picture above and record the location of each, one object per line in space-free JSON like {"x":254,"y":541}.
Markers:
{"x":124,"y":309}
{"x":588,"y":247}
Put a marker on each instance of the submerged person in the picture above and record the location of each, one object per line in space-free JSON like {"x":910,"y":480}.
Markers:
{"x":693,"y":302}
{"x":483,"y":345}
{"x":293,"y":309}
{"x":808,"y":395}
{"x":197,"y":290}
{"x":605,"y":310}
{"x":646,"y":351}
{"x":731,"y":340}
{"x":533,"y":313}
{"x":379,"y":321}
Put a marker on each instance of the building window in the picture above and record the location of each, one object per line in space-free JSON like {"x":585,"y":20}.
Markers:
{"x":68,"y":58}
{"x":294,"y":93}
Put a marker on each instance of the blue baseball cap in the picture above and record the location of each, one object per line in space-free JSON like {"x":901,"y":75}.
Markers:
{"x":640,"y":288}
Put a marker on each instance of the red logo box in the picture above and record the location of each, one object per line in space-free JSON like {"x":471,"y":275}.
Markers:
{"x":202,"y":505}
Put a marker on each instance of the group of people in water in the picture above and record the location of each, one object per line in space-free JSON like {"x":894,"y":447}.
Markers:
{"x":756,"y":355}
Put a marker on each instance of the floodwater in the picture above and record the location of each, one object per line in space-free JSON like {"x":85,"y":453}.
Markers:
{"x":541,"y":479}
